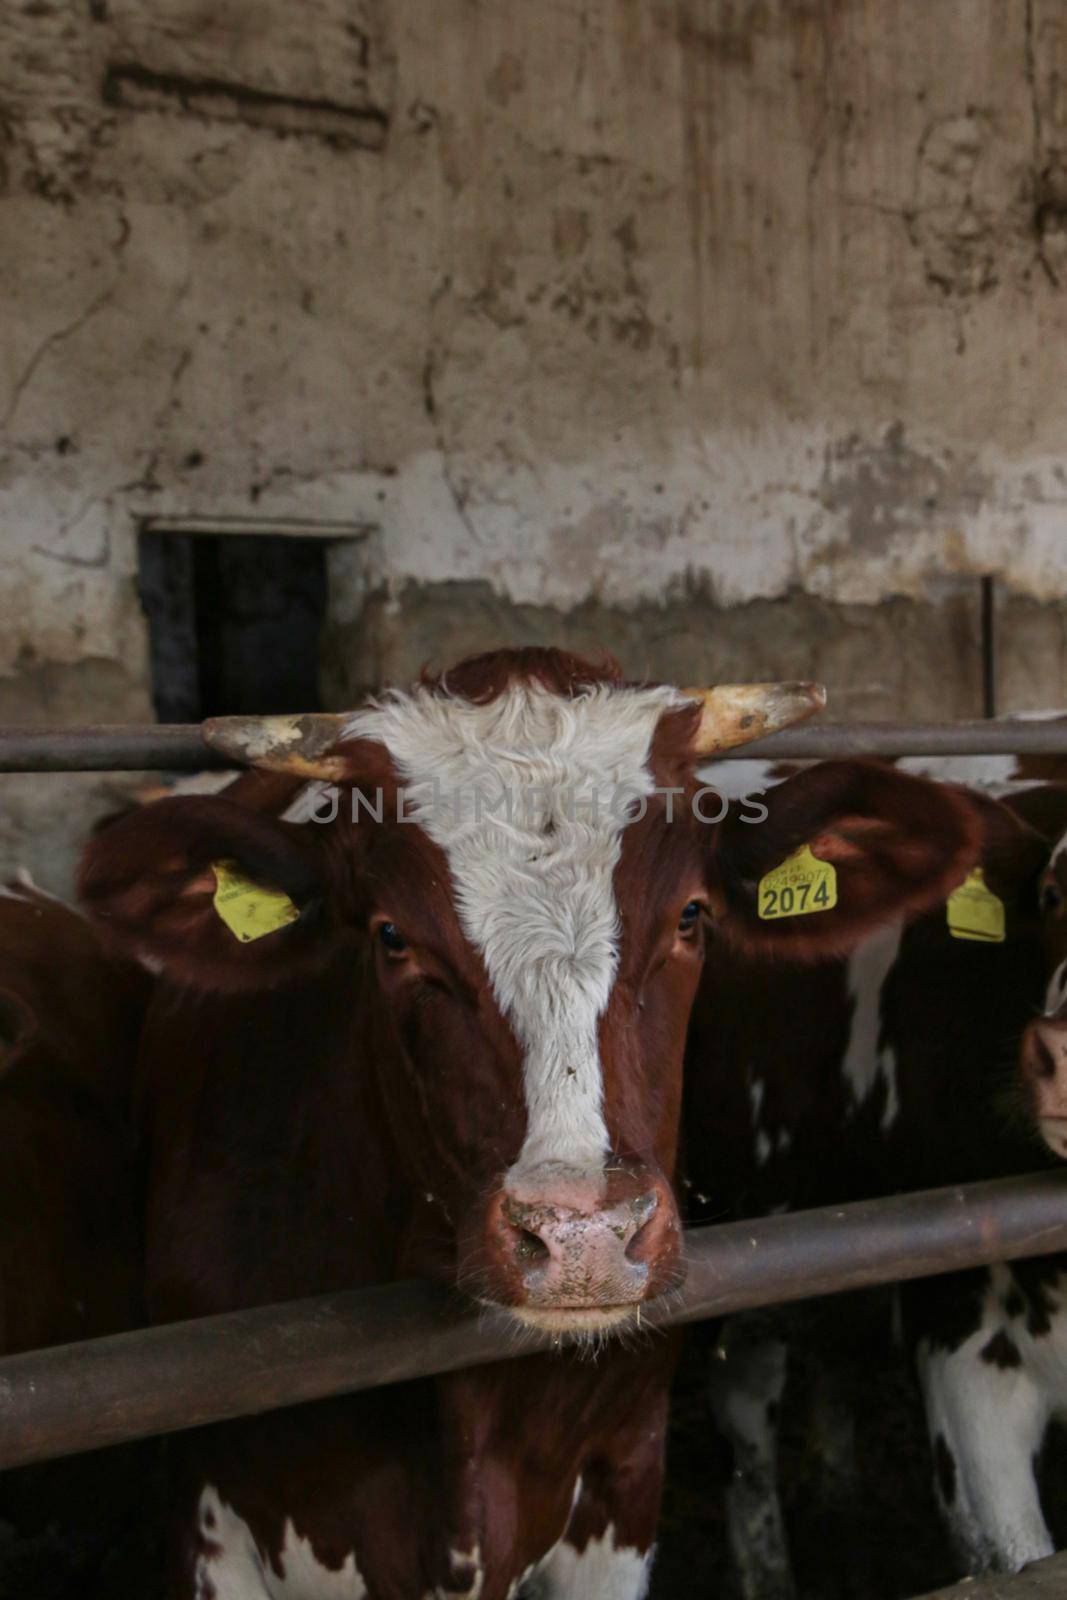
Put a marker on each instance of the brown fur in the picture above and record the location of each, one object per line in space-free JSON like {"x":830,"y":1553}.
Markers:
{"x":70,"y":1258}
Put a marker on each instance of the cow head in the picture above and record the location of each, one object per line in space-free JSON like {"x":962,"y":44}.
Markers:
{"x":518,"y":879}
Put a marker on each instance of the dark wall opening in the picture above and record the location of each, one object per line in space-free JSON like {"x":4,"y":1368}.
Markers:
{"x":234,"y":622}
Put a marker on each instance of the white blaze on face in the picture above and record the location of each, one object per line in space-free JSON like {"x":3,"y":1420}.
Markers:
{"x":505,"y":790}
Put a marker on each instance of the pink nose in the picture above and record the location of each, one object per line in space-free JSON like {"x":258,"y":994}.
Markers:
{"x":562,"y":1237}
{"x":1043,"y":1064}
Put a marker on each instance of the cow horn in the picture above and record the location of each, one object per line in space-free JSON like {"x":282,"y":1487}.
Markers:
{"x":735,"y":713}
{"x":298,"y":744}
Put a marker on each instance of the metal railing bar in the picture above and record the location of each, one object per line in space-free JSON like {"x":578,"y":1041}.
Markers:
{"x":129,"y":1386}
{"x":180,"y":746}
{"x":173,"y":747}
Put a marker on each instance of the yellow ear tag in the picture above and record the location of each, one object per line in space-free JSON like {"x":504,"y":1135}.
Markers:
{"x":800,"y":886}
{"x":249,"y":909}
{"x":974,"y":912}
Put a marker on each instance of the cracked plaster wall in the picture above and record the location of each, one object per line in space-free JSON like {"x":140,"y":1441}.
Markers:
{"x":690,"y":327}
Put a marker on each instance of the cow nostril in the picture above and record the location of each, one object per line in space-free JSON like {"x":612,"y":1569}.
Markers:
{"x":638,"y":1245}
{"x":530,"y":1248}
{"x":643,"y":1241}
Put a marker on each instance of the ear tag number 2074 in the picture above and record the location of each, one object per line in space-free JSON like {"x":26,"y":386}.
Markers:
{"x":801,"y":886}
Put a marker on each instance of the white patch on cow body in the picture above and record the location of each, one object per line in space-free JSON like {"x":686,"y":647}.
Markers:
{"x":973,"y":772}
{"x":736,"y":779}
{"x":534,"y":890}
{"x":867,"y":1062}
{"x":762,"y":1144}
{"x":602,"y":1571}
{"x":1056,"y":993}
{"x":768,"y":1141}
{"x":468,"y":1571}
{"x":992,"y":1419}
{"x":234,"y":1568}
{"x":1000,"y":774}
{"x":517,"y":1589}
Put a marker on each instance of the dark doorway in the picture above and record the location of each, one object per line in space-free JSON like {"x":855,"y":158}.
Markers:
{"x":234,"y":622}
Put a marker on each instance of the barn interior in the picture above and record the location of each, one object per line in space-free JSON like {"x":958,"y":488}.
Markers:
{"x":343,"y":338}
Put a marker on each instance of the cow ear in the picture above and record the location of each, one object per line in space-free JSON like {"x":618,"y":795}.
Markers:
{"x":874,"y":844}
{"x":212,"y":893}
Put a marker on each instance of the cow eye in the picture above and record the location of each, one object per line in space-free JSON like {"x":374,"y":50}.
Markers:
{"x":391,"y":938}
{"x":1051,"y":897}
{"x":689,"y":917}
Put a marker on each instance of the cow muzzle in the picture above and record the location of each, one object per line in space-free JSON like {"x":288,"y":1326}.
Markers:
{"x":1043,"y":1065}
{"x":571,"y":1249}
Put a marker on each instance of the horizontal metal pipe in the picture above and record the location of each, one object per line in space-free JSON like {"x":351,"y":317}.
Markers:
{"x":180,"y":746}
{"x":820,"y":740}
{"x":158,"y":1380}
{"x":171,"y":747}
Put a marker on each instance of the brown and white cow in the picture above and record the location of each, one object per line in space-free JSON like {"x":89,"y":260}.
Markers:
{"x":900,"y":1079}
{"x":70,"y":1258}
{"x":459,"y":1053}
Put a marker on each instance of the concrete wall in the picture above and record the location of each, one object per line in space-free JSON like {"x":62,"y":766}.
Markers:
{"x":727,"y":335}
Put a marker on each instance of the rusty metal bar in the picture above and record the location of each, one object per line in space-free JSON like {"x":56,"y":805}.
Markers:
{"x":180,"y":746}
{"x":1003,"y":736}
{"x":174,"y":747}
{"x":158,"y":1380}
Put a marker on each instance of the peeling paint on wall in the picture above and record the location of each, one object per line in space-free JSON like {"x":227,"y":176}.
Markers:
{"x":593,"y":304}
{"x":581,"y":304}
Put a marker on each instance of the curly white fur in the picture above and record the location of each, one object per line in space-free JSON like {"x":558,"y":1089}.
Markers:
{"x":506,"y":790}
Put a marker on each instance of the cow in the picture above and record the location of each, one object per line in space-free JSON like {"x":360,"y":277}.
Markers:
{"x":1043,"y":1053}
{"x":999,"y":1374}
{"x":900,"y":1079}
{"x":70,"y":1259}
{"x":440,"y":1030}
